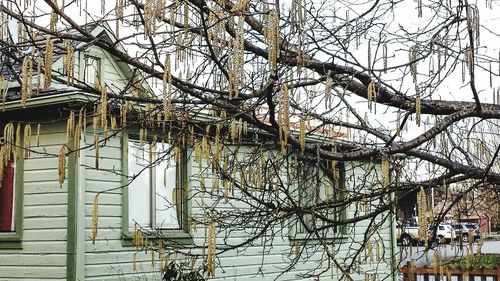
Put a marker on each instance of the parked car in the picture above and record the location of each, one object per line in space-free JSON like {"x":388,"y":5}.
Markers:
{"x":475,"y":228}
{"x":444,"y":233}
{"x":462,"y":231}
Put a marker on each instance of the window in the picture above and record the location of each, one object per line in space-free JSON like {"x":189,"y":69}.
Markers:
{"x":155,"y":195}
{"x":11,"y":200}
{"x":317,"y":184}
{"x":92,"y":69}
{"x":7,"y":198}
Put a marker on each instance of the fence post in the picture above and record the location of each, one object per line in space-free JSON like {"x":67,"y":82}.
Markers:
{"x":498,"y":272}
{"x":407,"y":276}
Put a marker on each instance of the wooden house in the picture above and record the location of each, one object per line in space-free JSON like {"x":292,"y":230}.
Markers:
{"x":47,"y":225}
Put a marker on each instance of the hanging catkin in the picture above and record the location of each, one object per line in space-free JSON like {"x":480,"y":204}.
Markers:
{"x":302,"y":133}
{"x":69,"y":62}
{"x":371,"y":94}
{"x":211,"y":249}
{"x":240,"y":6}
{"x":437,"y":262}
{"x":476,"y":25}
{"x":422,"y":214}
{"x":124,"y":112}
{"x":160,"y":9}
{"x":3,"y":161}
{"x":26,"y":79}
{"x":369,"y":55}
{"x":385,"y":172}
{"x":413,"y":63}
{"x":53,"y":19}
{"x":17,"y":150}
{"x":119,"y":16}
{"x":167,"y":89}
{"x":186,"y":22}
{"x":49,"y":54}
{"x":61,"y":168}
{"x":284,"y":117}
{"x":149,"y":18}
{"x":8,"y":134}
{"x":398,"y":124}
{"x":328,"y":90}
{"x":27,"y":140}
{"x":470,"y":59}
{"x":95,"y":217}
{"x":272,"y":35}
{"x":418,"y":106}
{"x":103,"y":110}
{"x":70,"y":128}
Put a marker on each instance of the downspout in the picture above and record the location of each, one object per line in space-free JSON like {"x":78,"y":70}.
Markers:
{"x":80,"y":217}
{"x":71,"y":217}
{"x":75,"y":267}
{"x":75,"y":243}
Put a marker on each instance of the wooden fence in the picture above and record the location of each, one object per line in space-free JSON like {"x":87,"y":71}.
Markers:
{"x":412,"y":273}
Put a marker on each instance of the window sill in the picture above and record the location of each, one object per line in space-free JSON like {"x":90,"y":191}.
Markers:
{"x":10,"y":241}
{"x":173,"y":235}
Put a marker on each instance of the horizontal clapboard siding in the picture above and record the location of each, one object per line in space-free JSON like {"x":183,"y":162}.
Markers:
{"x":43,"y":253}
{"x":270,"y":263}
{"x":108,"y":259}
{"x":44,"y":243}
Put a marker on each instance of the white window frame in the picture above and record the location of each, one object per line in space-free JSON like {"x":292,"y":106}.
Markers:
{"x":150,"y":174}
{"x":297,"y":230}
{"x":97,"y":68}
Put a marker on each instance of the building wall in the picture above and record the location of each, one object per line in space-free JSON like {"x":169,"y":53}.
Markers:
{"x":44,"y":243}
{"x":43,"y":253}
{"x":44,"y":246}
{"x":43,"y":256}
{"x":111,"y":74}
{"x":268,"y":258}
{"x":109,"y":258}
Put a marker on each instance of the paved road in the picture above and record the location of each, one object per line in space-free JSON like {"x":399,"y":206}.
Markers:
{"x":420,"y":257}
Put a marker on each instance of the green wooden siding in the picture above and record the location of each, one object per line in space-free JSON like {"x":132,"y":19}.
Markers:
{"x":109,"y":258}
{"x":43,"y":253}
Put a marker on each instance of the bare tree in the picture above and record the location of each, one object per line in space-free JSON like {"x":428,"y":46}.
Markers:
{"x":282,"y":102}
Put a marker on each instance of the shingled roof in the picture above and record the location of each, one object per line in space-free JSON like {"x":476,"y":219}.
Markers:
{"x":11,"y":60}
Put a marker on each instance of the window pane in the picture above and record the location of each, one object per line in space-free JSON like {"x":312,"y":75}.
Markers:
{"x":316,"y":185}
{"x":7,"y":198}
{"x":139,"y":190}
{"x":165,"y":182}
{"x":308,"y":191}
{"x":91,"y":68}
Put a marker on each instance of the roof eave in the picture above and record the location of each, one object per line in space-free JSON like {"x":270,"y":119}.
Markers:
{"x":40,"y":101}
